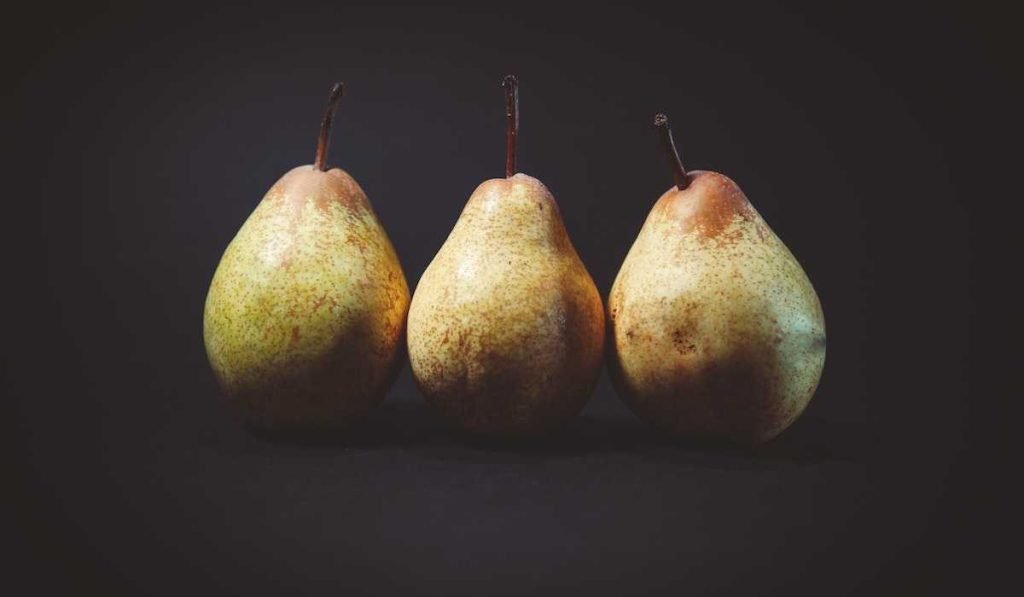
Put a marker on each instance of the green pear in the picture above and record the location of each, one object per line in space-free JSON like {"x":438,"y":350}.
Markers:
{"x":716,"y":330}
{"x":506,"y":327}
{"x":305,"y":316}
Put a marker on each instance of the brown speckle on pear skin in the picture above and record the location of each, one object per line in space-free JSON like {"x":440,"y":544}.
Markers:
{"x":506,"y":327}
{"x":304,"y":320}
{"x":716,"y":331}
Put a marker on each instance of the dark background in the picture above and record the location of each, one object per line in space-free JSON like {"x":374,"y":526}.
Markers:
{"x":139,"y":140}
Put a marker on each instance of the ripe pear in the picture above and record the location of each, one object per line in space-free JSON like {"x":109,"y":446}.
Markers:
{"x":305,"y":316}
{"x":506,"y":327}
{"x":716,"y":330}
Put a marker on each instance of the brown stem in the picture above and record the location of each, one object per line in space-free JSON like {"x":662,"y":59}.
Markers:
{"x":320,"y":163}
{"x":665,"y":134}
{"x":511,"y":85}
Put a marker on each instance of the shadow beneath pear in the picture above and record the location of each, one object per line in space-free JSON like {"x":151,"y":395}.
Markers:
{"x":414,"y":425}
{"x":813,"y":439}
{"x":390,"y":425}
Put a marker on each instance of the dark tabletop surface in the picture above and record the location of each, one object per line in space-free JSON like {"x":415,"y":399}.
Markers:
{"x":140,"y":140}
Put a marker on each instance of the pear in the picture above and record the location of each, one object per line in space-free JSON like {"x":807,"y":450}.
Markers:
{"x":304,"y":319}
{"x":716,"y":330}
{"x":506,"y":327}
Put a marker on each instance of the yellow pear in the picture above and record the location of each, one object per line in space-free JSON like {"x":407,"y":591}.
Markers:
{"x":506,"y":327}
{"x":716,"y":330}
{"x":305,"y":315}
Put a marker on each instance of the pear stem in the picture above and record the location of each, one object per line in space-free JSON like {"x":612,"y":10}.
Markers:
{"x":320,"y":163}
{"x":511,"y":85}
{"x":665,"y":135}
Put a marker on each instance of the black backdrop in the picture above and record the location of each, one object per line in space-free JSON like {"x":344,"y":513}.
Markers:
{"x":140,"y":140}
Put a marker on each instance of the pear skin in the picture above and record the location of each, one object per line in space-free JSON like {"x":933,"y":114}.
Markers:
{"x":716,"y":331}
{"x":506,"y":327}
